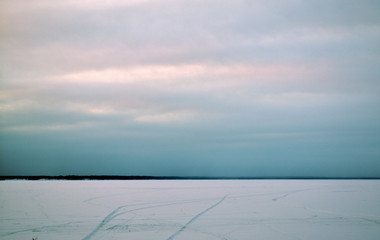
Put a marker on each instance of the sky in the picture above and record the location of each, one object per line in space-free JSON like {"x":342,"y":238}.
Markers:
{"x":190,"y":88}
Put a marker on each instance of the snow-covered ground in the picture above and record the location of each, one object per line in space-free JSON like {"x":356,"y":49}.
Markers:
{"x":187,"y":209}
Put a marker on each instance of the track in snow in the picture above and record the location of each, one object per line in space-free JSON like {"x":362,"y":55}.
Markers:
{"x":195,"y":218}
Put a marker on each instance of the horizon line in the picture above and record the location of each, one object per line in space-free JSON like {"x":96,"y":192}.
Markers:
{"x":149,"y":177}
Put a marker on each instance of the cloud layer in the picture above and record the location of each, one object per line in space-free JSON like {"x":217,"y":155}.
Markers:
{"x":231,"y":88}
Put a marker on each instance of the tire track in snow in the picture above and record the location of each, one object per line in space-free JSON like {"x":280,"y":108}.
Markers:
{"x":102,"y":196}
{"x":195,"y":218}
{"x":287,"y":194}
{"x":39,"y":229}
{"x":108,"y":218}
{"x":115,"y":213}
{"x":344,"y":216}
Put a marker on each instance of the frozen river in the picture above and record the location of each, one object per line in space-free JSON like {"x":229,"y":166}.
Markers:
{"x":189,"y":209}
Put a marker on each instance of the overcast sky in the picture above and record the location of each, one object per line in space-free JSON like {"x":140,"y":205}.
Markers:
{"x":190,"y":88}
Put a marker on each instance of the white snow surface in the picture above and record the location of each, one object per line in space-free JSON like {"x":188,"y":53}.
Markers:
{"x":190,"y":209}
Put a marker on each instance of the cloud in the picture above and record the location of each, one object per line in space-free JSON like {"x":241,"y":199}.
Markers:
{"x":257,"y":82}
{"x":201,"y":74}
{"x":166,"y":117}
{"x":42,"y":128}
{"x":151,"y":93}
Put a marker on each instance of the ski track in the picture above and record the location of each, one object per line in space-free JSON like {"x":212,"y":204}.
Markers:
{"x":102,"y":196}
{"x":108,"y":218}
{"x":284,"y":194}
{"x":38,"y":229}
{"x":287,"y":194}
{"x":368,"y":218}
{"x":114,"y":214}
{"x":195,"y":218}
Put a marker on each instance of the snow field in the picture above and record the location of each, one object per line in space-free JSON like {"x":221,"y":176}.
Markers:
{"x":190,"y":209}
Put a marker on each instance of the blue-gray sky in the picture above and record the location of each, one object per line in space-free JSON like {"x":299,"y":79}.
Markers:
{"x":190,"y":88}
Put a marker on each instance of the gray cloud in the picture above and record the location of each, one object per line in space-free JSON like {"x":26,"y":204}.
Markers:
{"x":246,"y":88}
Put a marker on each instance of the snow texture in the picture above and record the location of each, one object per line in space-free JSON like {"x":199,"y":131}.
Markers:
{"x":189,"y":209}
